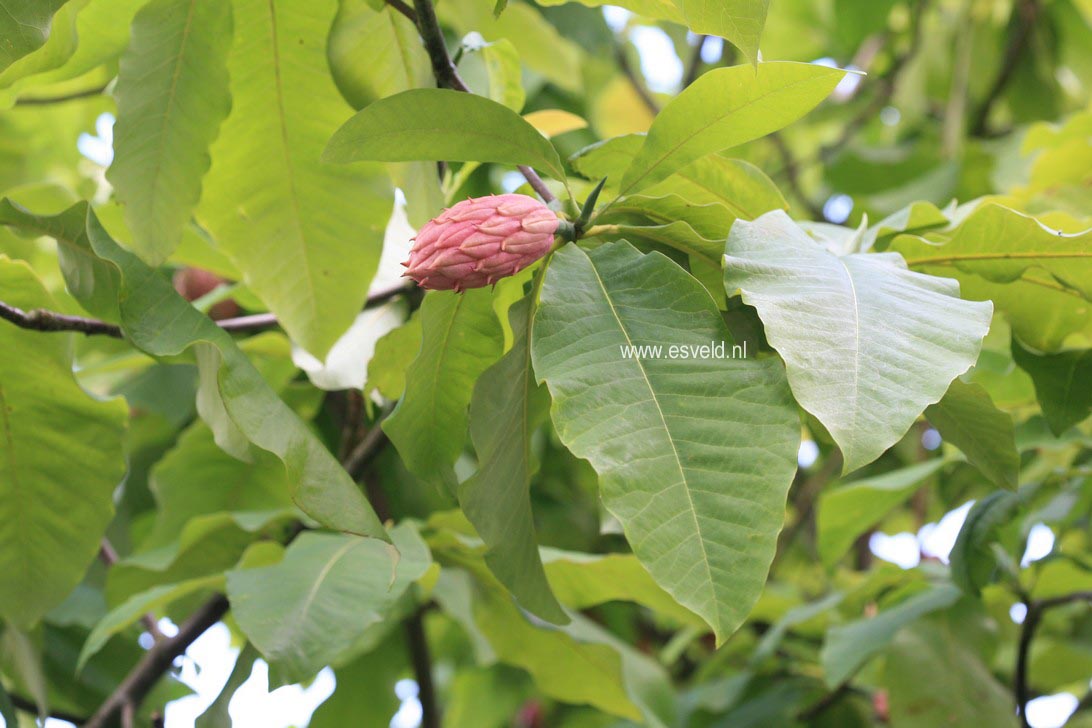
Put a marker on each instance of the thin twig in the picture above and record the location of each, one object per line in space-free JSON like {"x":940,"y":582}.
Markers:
{"x":29,"y":706}
{"x":693,"y":68}
{"x":1027,"y":13}
{"x":361,"y":455}
{"x":1027,"y":632}
{"x":636,"y":82}
{"x":41,"y":320}
{"x":421,"y":658}
{"x":404,"y":9}
{"x":157,"y":661}
{"x":63,"y":98}
{"x":885,"y":84}
{"x":109,"y":556}
{"x":447,"y":76}
{"x":791,"y":168}
{"x":813,"y":711}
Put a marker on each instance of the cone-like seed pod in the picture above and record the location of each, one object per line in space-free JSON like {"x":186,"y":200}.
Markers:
{"x":479,"y":241}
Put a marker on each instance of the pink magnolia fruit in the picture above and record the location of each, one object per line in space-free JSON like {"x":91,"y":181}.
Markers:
{"x":479,"y":241}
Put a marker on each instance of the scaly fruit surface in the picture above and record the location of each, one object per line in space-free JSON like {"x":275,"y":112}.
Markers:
{"x":479,"y":241}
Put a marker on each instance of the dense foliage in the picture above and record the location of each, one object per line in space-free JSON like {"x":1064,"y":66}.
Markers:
{"x":797,"y":310}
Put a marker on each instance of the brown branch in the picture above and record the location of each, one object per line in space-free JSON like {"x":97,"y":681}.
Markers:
{"x":109,"y":556}
{"x":1027,"y":13}
{"x":63,"y":98}
{"x":421,"y":658}
{"x":693,"y":68}
{"x":404,"y":9}
{"x":157,"y":661}
{"x":42,"y":320}
{"x":791,"y":168}
{"x":1027,"y":632}
{"x":29,"y":706}
{"x":447,"y":76}
{"x":886,"y":85}
{"x":636,"y":82}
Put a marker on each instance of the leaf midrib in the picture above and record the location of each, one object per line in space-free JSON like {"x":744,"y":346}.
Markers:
{"x":705,"y":128}
{"x":678,"y":461}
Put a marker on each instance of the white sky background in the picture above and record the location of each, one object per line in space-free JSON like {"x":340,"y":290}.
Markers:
{"x":210,"y":659}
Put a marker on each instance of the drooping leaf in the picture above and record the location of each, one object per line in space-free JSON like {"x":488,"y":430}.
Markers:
{"x":968,"y":418}
{"x":305,"y":611}
{"x":172,"y":94}
{"x":461,"y":338}
{"x":868,"y":344}
{"x":136,"y":606}
{"x":233,"y":398}
{"x":972,"y":560}
{"x":365,"y":696}
{"x":936,"y":680}
{"x":849,"y":646}
{"x":307,"y":235}
{"x":739,"y":21}
{"x":217,"y":715}
{"x":724,"y":108}
{"x":1061,"y":384}
{"x":1040,"y":278}
{"x":847,"y":512}
{"x":506,"y":408}
{"x":441,"y":124}
{"x":376,"y":52}
{"x":586,"y":580}
{"x":24,"y":27}
{"x":542,"y":48}
{"x":50,"y":522}
{"x":694,"y":506}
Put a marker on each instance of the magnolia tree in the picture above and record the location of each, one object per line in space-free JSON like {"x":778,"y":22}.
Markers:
{"x":572,"y":362}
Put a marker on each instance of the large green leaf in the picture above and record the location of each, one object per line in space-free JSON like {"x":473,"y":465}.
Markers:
{"x":867,"y":343}
{"x":847,"y":512}
{"x":50,"y":522}
{"x":24,"y":27}
{"x":934,"y":679}
{"x":375,"y":53}
{"x":461,"y":338}
{"x":1040,"y":278}
{"x":432,"y":123}
{"x":724,"y":108}
{"x":506,"y":408}
{"x":739,"y":21}
{"x":306,"y":235}
{"x":700,"y":494}
{"x":1062,"y":384}
{"x":849,"y":646}
{"x":968,"y":418}
{"x":305,"y":611}
{"x":233,"y":398}
{"x":172,"y":93}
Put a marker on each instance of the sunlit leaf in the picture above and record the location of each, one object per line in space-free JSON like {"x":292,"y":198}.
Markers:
{"x":694,"y":506}
{"x":868,"y":344}
{"x":50,"y":522}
